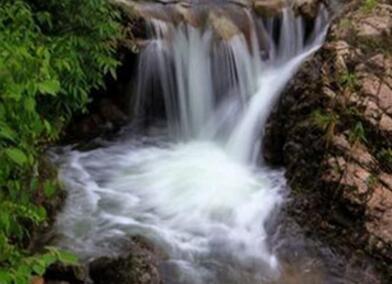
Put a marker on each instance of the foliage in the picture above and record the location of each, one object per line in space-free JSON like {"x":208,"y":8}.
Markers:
{"x":357,"y":133}
{"x":327,"y":121}
{"x":27,"y":266}
{"x":348,"y":80}
{"x":52,"y":54}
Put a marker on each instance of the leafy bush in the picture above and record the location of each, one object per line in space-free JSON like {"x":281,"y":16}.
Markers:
{"x":52,"y":54}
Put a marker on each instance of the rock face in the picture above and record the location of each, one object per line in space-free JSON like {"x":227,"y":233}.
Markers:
{"x":268,"y":8}
{"x":264,"y":8}
{"x":138,"y":267}
{"x":307,"y":8}
{"x":332,"y":130}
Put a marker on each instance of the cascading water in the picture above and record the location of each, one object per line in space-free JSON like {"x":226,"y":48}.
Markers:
{"x":197,"y":193}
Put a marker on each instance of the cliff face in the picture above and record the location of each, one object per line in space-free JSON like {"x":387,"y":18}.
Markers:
{"x":333,"y":132}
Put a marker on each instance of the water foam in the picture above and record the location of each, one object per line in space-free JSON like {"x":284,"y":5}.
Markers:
{"x":198,"y":196}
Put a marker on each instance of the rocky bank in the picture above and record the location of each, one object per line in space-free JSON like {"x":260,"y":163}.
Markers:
{"x":332,"y":130}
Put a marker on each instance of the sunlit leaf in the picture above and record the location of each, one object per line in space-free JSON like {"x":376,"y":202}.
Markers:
{"x":50,"y":87}
{"x":17,"y":156}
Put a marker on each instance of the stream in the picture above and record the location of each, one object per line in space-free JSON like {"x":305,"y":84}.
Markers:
{"x":195,"y":185}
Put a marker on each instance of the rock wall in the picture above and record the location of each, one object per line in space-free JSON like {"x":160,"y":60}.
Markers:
{"x":333,"y":132}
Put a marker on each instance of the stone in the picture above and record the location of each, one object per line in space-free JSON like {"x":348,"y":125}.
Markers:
{"x":268,"y":8}
{"x":356,"y":179}
{"x":307,"y":8}
{"x":130,"y":7}
{"x":379,"y":213}
{"x":386,"y":180}
{"x":372,"y":85}
{"x":60,"y":273}
{"x":377,"y":61}
{"x":186,"y":15}
{"x":385,"y":98}
{"x":139,"y":266}
{"x":224,"y":28}
{"x":357,"y":152}
{"x":372,"y":112}
{"x":342,"y":51}
{"x":374,"y":26}
{"x":243,"y":3}
{"x":111,"y":112}
{"x":386,"y":123}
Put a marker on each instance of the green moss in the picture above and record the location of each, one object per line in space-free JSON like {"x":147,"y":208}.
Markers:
{"x":369,"y":5}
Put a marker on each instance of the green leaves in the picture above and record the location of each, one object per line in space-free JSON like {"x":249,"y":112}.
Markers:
{"x":52,"y":54}
{"x":7,"y":133}
{"x":50,"y":189}
{"x":5,"y":277}
{"x":50,"y":87}
{"x":357,"y":133}
{"x":67,"y":258}
{"x":17,"y":156}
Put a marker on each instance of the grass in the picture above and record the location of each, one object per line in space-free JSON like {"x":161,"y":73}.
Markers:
{"x":327,"y":121}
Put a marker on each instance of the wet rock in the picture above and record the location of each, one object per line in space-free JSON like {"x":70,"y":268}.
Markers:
{"x":131,"y":8}
{"x":186,"y":15}
{"x":223,"y":27}
{"x":268,"y":8}
{"x":60,"y":273}
{"x":110,"y":112}
{"x":140,"y":266}
{"x":307,"y":8}
{"x":243,"y":3}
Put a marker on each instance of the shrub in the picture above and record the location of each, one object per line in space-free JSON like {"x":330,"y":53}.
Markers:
{"x":52,"y":54}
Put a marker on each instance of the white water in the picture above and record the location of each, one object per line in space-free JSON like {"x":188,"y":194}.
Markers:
{"x":198,"y":195}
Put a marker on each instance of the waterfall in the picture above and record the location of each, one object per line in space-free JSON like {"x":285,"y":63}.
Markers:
{"x":191,"y":64}
{"x":196,"y":192}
